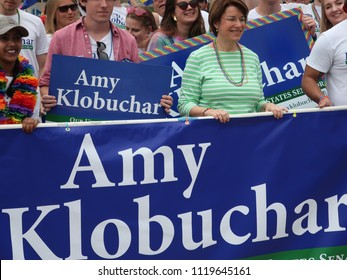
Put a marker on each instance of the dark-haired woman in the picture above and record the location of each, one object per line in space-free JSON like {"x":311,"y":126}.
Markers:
{"x":182,"y":20}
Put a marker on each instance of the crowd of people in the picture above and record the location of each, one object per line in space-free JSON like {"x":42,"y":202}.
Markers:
{"x":220,"y":79}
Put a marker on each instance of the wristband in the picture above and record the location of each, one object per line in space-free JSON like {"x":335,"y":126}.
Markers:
{"x":322,"y":97}
{"x":203,"y":113}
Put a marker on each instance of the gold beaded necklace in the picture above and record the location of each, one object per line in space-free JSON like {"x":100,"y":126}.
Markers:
{"x":225,"y":73}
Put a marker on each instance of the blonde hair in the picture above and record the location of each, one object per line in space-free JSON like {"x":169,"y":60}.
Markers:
{"x":325,"y":23}
{"x":51,"y":9}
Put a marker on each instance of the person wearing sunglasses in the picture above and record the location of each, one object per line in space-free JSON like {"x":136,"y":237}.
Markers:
{"x":224,"y":77}
{"x":60,"y":13}
{"x":141,"y":24}
{"x":182,"y":20}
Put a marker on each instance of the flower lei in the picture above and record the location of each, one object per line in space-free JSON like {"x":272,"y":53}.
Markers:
{"x":24,"y":96}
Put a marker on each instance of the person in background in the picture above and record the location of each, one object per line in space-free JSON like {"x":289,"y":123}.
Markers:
{"x":18,"y":85}
{"x":328,"y":57}
{"x":268,"y":7}
{"x":251,"y":4}
{"x":314,"y":9}
{"x":203,"y":5}
{"x":60,"y":13}
{"x":141,"y":24}
{"x":81,"y":8}
{"x":224,"y":77}
{"x":159,"y":7}
{"x":332,"y":13}
{"x":119,"y":14}
{"x":182,"y":20}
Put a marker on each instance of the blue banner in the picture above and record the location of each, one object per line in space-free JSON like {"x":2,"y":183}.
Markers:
{"x":254,"y":188}
{"x":96,"y":89}
{"x":28,"y":3}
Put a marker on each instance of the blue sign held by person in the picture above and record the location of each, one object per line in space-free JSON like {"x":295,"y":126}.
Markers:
{"x":106,"y":90}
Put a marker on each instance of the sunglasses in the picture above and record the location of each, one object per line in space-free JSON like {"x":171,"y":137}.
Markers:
{"x":100,"y":51}
{"x":65,"y":9}
{"x":184,"y":5}
{"x":137,"y":11}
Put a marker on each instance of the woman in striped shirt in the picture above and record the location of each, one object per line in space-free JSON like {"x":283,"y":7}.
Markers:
{"x":223,"y":77}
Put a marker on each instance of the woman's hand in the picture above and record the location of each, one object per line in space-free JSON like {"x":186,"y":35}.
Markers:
{"x":166,"y":102}
{"x":309,"y":24}
{"x":48,"y":102}
{"x":220,"y":115}
{"x":276,"y":110}
{"x":324,"y":101}
{"x":29,"y":124}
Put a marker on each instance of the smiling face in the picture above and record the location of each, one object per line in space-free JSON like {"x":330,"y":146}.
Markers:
{"x":231,"y":25}
{"x":10,"y":46}
{"x":186,"y":16}
{"x":334,"y":11}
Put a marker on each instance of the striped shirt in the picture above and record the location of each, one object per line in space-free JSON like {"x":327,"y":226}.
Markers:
{"x":204,"y":84}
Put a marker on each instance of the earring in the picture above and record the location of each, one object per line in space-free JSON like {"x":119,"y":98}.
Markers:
{"x":174,"y":18}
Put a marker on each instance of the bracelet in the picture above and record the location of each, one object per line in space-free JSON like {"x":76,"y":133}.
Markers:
{"x":322,"y":97}
{"x":203,"y":113}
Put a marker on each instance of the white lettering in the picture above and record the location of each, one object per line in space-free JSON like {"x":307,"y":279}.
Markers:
{"x":95,"y":166}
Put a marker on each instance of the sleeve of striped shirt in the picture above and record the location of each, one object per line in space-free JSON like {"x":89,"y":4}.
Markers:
{"x":191,"y":86}
{"x":261,"y":100}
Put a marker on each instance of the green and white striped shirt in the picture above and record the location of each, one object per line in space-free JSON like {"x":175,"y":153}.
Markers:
{"x":204,"y":84}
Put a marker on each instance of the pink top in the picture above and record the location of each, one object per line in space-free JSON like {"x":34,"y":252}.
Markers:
{"x":73,"y":40}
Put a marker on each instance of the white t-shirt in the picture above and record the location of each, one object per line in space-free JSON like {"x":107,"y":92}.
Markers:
{"x":329,"y":55}
{"x":205,"y":17}
{"x":253,"y":14}
{"x":107,"y":40}
{"x":118,"y":16}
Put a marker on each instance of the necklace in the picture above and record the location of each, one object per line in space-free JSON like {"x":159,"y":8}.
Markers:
{"x":22,"y":93}
{"x":225,"y":73}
